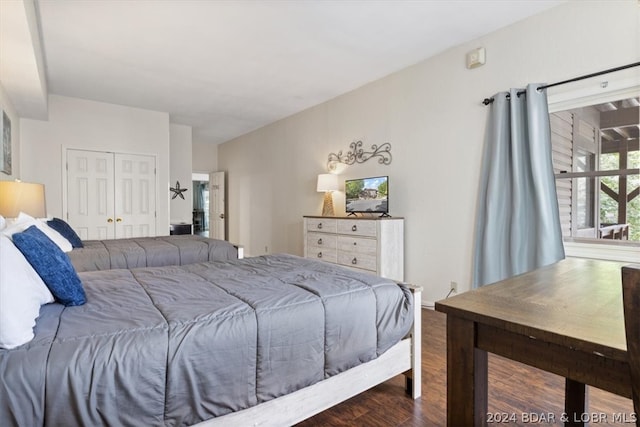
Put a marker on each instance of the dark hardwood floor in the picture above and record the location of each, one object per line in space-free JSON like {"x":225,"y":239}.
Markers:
{"x":514,"y":388}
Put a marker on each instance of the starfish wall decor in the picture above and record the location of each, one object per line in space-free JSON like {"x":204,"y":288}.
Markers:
{"x":177,"y":191}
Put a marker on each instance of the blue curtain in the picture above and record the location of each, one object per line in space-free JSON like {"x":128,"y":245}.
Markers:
{"x":518,"y":223}
{"x":198,"y":195}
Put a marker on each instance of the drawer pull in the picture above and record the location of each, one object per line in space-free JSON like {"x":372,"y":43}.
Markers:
{"x":319,"y":226}
{"x":354,"y":228}
{"x":355,"y":243}
{"x":319,"y":254}
{"x":319,"y":241}
{"x":354,"y":261}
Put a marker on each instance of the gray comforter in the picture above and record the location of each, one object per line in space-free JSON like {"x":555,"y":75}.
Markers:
{"x":150,"y":252}
{"x":181,"y":344}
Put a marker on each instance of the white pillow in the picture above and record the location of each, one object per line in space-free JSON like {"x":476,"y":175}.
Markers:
{"x":22,"y":292}
{"x":24,"y":221}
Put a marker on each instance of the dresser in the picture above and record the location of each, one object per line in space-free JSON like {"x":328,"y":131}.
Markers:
{"x":373,"y":245}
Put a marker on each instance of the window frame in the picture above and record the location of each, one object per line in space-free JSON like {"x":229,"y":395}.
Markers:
{"x":592,"y":92}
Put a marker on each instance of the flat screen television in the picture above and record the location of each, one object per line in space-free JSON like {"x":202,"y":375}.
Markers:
{"x":367,"y":195}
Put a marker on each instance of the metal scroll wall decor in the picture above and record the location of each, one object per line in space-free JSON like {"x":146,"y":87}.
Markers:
{"x":356,"y":154}
{"x":177,"y":191}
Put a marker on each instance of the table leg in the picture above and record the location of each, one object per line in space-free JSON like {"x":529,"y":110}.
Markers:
{"x":466,"y":375}
{"x":574,"y":403}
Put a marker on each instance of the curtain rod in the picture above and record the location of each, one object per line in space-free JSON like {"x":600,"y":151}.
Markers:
{"x":488,"y":101}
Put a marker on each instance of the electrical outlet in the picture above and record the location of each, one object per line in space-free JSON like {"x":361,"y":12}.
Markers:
{"x":454,"y":286}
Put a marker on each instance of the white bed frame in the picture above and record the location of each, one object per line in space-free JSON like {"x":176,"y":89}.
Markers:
{"x":240,"y":250}
{"x":403,"y":358}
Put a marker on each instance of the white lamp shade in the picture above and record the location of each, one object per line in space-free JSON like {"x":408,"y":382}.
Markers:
{"x":16,"y":197}
{"x":327,"y":182}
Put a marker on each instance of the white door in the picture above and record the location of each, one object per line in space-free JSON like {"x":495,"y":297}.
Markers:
{"x":135,"y":189}
{"x":217,"y":219}
{"x":90,"y":194}
{"x":111,"y":195}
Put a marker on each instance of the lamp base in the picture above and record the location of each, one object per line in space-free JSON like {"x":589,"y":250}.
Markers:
{"x":327,"y":206}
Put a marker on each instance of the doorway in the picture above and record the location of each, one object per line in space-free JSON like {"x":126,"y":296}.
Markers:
{"x":200,"y":183}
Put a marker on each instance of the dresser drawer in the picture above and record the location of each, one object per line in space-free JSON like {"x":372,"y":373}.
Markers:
{"x":321,"y":240}
{"x":357,"y":245}
{"x":357,"y":227}
{"x":323,"y":254}
{"x":364,"y":261}
{"x":368,"y":245}
{"x":322,"y":225}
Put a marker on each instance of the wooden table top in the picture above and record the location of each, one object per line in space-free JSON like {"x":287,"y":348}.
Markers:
{"x":575,"y":303}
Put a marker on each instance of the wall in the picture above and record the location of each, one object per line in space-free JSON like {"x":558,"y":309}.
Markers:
{"x":180,"y":162}
{"x":7,"y":107}
{"x":205,"y":157}
{"x":22,"y":63}
{"x":78,"y":123}
{"x":432,"y":115}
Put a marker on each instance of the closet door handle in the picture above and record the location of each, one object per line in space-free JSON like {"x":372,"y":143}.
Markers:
{"x":109,"y":220}
{"x":118,"y":219}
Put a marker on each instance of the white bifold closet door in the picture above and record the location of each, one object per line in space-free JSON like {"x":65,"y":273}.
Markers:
{"x":111,"y":195}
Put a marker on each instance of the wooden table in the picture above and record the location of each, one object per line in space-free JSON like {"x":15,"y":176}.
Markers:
{"x":565,"y":318}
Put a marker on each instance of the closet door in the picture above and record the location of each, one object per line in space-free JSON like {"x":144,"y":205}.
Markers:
{"x":111,"y":195}
{"x":90,"y":186}
{"x":135,"y":195}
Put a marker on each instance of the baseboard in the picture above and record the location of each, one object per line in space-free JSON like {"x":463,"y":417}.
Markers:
{"x":429,"y":305}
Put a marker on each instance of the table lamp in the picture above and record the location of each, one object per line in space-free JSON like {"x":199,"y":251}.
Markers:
{"x":327,"y":183}
{"x":17,"y":196}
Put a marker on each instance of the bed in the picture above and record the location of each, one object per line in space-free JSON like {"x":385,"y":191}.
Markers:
{"x":266,"y":340}
{"x":150,"y":252}
{"x":91,"y":255}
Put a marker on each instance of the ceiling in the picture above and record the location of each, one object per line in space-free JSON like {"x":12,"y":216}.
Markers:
{"x":228,"y":67}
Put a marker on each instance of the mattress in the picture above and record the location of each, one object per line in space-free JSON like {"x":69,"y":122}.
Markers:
{"x":177,"y":345}
{"x":149,"y":252}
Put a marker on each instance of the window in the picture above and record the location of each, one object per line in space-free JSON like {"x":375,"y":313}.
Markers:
{"x":596,"y":159}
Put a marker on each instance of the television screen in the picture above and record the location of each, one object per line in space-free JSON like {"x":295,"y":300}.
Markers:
{"x":367,"y":195}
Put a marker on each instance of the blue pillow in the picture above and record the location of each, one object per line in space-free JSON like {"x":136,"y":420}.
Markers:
{"x":53,"y":266}
{"x":67,"y":232}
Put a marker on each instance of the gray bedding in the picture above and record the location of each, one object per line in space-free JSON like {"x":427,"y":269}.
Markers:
{"x":150,"y":252}
{"x":181,"y":344}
